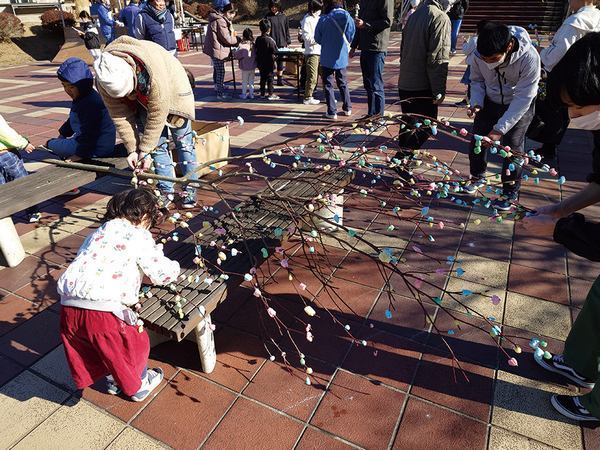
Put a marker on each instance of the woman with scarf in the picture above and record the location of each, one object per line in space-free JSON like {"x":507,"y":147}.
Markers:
{"x":155,"y":23}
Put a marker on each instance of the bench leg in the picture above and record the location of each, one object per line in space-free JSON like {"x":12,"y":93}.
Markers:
{"x":206,"y":344}
{"x":11,"y":249}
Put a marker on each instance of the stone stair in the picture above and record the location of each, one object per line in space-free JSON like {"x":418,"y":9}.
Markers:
{"x":546,"y":14}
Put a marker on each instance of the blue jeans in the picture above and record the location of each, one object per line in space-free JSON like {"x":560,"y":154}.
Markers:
{"x":454,"y":36}
{"x":186,"y":154}
{"x":342,"y":84}
{"x":12,"y":168}
{"x":371,"y":65}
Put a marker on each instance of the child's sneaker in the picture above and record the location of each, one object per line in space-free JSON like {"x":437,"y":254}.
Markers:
{"x":572,"y":408}
{"x":111,"y":386}
{"x":504,"y":203}
{"x":243,"y":96}
{"x":311,"y":101}
{"x":347,"y":113}
{"x":34,"y":217}
{"x":331,"y":116}
{"x":189,"y":202}
{"x":273,"y":97}
{"x":151,"y":382}
{"x":557,"y":365}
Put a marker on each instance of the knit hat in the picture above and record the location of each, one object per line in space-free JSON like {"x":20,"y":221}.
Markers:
{"x":220,"y":4}
{"x":115,"y":75}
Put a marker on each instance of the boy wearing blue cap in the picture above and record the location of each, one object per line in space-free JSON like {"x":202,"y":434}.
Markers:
{"x":89,"y":132}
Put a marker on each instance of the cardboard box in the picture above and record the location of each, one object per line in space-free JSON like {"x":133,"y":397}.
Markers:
{"x":211,"y":142}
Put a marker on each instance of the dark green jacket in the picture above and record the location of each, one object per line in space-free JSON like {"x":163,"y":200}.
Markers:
{"x":378,"y":16}
{"x":425,"y":50}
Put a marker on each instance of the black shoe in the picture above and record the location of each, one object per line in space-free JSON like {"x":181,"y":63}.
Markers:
{"x":503,"y":203}
{"x":473,"y":185}
{"x":557,"y":365}
{"x":404,"y":173}
{"x":571,"y":407}
{"x":279,"y":82}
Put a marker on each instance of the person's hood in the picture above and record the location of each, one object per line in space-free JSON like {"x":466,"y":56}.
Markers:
{"x":444,"y":5}
{"x":77,"y":72}
{"x":525,"y":44}
{"x":585,"y":19}
{"x":215,"y":15}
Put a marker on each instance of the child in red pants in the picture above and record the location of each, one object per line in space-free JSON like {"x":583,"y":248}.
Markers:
{"x":101,"y":335}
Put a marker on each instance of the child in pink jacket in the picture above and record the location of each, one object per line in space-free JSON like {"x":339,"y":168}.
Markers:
{"x":247,"y":62}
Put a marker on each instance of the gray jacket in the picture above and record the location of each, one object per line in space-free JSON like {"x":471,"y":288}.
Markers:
{"x":425,"y":51}
{"x":378,"y":16}
{"x":514,"y":83}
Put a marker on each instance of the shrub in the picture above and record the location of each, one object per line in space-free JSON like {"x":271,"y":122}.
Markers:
{"x":247,"y":7}
{"x":51,"y":20}
{"x":10,"y":27}
{"x":203,"y":10}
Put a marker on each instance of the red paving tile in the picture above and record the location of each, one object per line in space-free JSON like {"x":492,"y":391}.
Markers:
{"x":184,"y":412}
{"x":468,"y":390}
{"x":285,"y":388}
{"x":62,"y":252}
{"x":360,"y":411}
{"x":538,"y":283}
{"x":119,"y":405}
{"x":239,"y":356}
{"x":386,"y":358}
{"x":13,"y":278}
{"x":316,"y":440}
{"x":407,"y":319}
{"x":488,"y":246}
{"x":42,"y":291}
{"x":551,"y":259}
{"x":251,"y":426}
{"x":33,"y":339}
{"x":14,"y":311}
{"x":579,"y":290}
{"x":426,"y":426}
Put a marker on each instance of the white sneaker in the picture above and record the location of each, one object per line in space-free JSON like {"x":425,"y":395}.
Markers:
{"x":347,"y":113}
{"x":273,"y":97}
{"x":331,"y":116}
{"x":311,"y":101}
{"x":151,"y":382}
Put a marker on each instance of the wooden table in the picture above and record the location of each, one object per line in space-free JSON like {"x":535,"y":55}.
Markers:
{"x":295,"y":55}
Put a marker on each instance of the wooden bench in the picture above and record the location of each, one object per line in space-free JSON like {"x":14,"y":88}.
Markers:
{"x":252,"y":226}
{"x":44,"y":184}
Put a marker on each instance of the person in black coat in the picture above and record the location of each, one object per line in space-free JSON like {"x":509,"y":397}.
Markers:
{"x":280,"y":32}
{"x":575,"y":83}
{"x":456,"y":14}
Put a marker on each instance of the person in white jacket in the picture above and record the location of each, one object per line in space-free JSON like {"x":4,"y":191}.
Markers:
{"x":101,"y":335}
{"x":312,"y":50}
{"x":585,"y":20}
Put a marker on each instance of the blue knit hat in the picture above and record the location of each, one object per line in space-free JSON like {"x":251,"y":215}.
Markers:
{"x":220,"y":4}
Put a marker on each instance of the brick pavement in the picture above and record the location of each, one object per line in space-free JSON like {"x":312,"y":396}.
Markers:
{"x":404,"y":397}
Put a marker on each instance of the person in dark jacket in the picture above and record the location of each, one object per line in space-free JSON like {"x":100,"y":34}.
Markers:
{"x":372,"y":38}
{"x":575,"y":83}
{"x":89,"y":34}
{"x":265,"y":49}
{"x":280,"y":32}
{"x":456,"y":14}
{"x":155,"y":23}
{"x":128,"y":15}
{"x":107,"y":23}
{"x":89,"y":132}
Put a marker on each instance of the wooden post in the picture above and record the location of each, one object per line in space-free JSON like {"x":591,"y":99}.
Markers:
{"x":206,"y":344}
{"x":11,"y":249}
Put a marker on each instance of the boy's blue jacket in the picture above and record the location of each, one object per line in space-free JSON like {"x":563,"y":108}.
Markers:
{"x":330,"y":32}
{"x":97,"y":132}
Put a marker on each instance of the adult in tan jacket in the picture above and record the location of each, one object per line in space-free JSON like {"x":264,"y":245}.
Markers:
{"x":220,"y":37}
{"x":148,"y":95}
{"x":425,"y":54}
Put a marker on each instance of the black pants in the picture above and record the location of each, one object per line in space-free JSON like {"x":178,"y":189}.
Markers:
{"x":482,"y":125}
{"x":415,"y":102}
{"x":266,"y":78}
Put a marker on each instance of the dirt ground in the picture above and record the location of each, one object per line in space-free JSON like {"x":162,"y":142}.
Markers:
{"x":36,"y":45}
